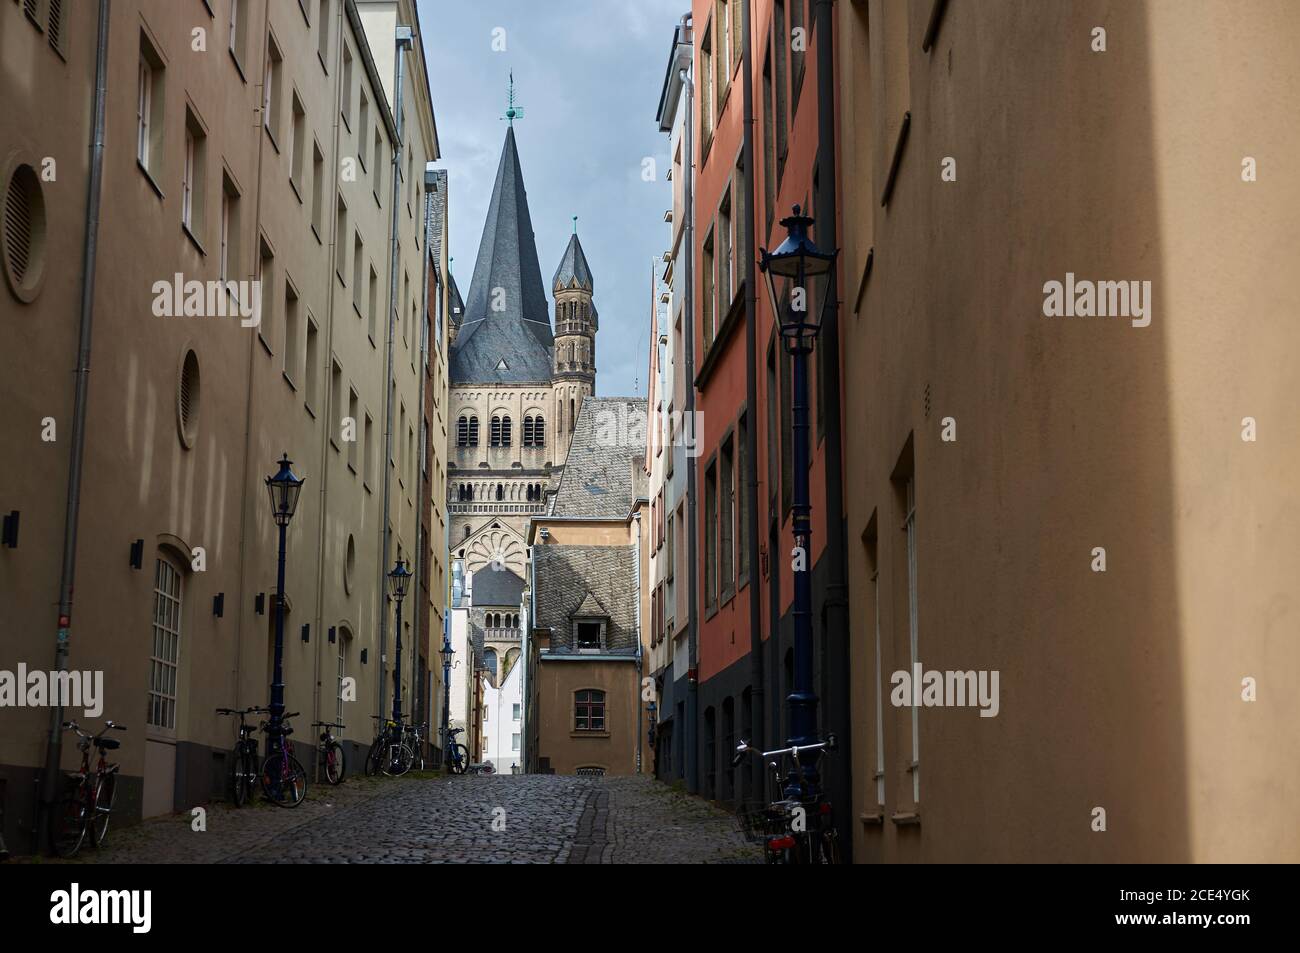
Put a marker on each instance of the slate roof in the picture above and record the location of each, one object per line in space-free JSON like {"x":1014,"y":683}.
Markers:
{"x":573,"y":270}
{"x":521,"y":332}
{"x":439,"y":212}
{"x":497,"y":587}
{"x":569,"y":577}
{"x":599,"y":479}
{"x":457,"y":302}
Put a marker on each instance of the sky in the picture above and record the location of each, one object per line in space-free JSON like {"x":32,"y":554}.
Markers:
{"x":588,"y":74}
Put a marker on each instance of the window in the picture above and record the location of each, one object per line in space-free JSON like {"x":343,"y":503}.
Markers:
{"x":353,"y":414}
{"x":514,"y":738}
{"x":292,"y":333}
{"x":796,"y":52}
{"x":909,"y":523}
{"x":311,"y":373}
{"x":379,"y":168}
{"x":739,"y":246}
{"x":373,"y":315}
{"x":187,"y":400}
{"x":515,"y":715}
{"x":336,"y":401}
{"x":229,"y":252}
{"x":706,"y":89}
{"x":266,"y":280}
{"x":363,"y":127}
{"x":589,"y":633}
{"x":340,"y":240}
{"x":54,"y":26}
{"x":323,"y":33}
{"x":168,"y":609}
{"x":769,"y":148}
{"x":495,"y":436}
{"x":742,"y":507}
{"x":346,"y":110}
{"x":711,"y":537}
{"x":589,"y":710}
{"x":706,"y":302}
{"x":871,"y":542}
{"x":672,"y":552}
{"x":462,"y":431}
{"x":505,"y":431}
{"x":368,"y":456}
{"x":781,"y":41}
{"x":271,"y":89}
{"x":193,"y":176}
{"x":149,"y":110}
{"x":358,"y":274}
{"x":726,"y":518}
{"x":725,"y":287}
{"x":317,"y":188}
{"x":298,"y":145}
{"x":238,"y":31}
{"x":23,"y":235}
{"x":473,"y":430}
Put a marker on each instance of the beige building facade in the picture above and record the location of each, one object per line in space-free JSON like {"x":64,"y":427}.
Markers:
{"x":1101,"y":510}
{"x":244,"y":142}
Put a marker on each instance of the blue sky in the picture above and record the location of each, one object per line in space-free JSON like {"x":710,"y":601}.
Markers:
{"x":588,"y":74}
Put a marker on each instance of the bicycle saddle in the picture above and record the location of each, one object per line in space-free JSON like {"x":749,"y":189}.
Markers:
{"x":108,"y":744}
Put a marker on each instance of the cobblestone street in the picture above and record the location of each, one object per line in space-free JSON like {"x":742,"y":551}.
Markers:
{"x":499,"y":819}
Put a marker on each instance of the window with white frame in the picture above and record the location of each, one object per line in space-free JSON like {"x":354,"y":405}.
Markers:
{"x":168,"y":604}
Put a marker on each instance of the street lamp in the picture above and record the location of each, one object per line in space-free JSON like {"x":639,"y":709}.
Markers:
{"x":283,"y":489}
{"x":398,"y":581}
{"x":446,"y":652}
{"x":798,"y":276}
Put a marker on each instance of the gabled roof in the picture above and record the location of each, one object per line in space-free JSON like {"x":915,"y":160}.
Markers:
{"x":598,"y":480}
{"x":497,"y":587}
{"x":573,"y":271}
{"x":507,"y":314}
{"x":590,"y":607}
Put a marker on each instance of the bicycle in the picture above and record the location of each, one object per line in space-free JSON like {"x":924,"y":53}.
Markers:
{"x":784,"y":826}
{"x":243,"y":767}
{"x":284,"y":782}
{"x":331,"y":751}
{"x":415,"y":741}
{"x":457,"y":756}
{"x":389,"y":754}
{"x":87,"y":801}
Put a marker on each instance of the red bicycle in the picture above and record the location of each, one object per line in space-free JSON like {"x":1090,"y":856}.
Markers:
{"x":87,"y":801}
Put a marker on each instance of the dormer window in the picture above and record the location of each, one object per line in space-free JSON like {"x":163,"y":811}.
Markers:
{"x":589,"y":634}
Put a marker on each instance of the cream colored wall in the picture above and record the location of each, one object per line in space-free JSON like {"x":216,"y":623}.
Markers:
{"x":1119,"y":690}
{"x":140,"y":481}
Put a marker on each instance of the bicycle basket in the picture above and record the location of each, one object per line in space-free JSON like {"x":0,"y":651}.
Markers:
{"x":758,"y":820}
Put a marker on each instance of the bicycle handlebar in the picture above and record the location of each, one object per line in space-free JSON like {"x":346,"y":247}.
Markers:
{"x":742,"y":749}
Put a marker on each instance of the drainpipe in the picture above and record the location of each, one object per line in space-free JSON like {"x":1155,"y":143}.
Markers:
{"x":639,"y":661}
{"x":403,"y":37}
{"x":417,"y":690}
{"x":751,"y":402}
{"x":835,"y":618}
{"x":688,"y":333}
{"x":90,"y":248}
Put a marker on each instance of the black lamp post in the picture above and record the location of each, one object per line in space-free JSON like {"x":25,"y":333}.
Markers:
{"x":446,"y":652}
{"x":798,"y":277}
{"x":398,"y":581}
{"x":283,"y":489}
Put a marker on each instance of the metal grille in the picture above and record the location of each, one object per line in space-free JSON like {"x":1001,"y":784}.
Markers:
{"x":591,"y":772}
{"x":167,"y":604}
{"x":20,"y":218}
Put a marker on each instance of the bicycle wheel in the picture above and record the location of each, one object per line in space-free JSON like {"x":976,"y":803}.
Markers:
{"x":830,"y":847}
{"x":105,"y":791}
{"x":241,"y":775}
{"x":284,"y":782}
{"x":68,"y":820}
{"x":334,"y":766}
{"x":459,"y":759}
{"x":374,"y":756}
{"x":397,"y":760}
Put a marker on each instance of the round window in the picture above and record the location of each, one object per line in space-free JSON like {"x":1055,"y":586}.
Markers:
{"x":22,"y":239}
{"x":187,"y":399}
{"x":349,"y":564}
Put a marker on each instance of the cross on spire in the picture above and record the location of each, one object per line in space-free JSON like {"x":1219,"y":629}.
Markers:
{"x":513,"y":112}
{"x":575,"y":224}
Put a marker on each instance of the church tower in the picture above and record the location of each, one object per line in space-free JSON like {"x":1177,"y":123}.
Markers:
{"x":576,"y":323}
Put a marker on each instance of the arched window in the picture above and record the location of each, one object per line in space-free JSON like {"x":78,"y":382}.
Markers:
{"x":168,"y":610}
{"x":495,"y":436}
{"x":462,"y":431}
{"x":539,"y":431}
{"x":528,"y":431}
{"x":501,"y":492}
{"x":490,"y":661}
{"x":589,"y":710}
{"x":530,"y":493}
{"x":473,"y":431}
{"x":505,"y":431}
{"x":466,"y":533}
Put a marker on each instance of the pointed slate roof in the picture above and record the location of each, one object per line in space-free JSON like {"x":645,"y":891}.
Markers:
{"x":457,"y":302}
{"x":573,"y":270}
{"x":598,"y":480}
{"x":518,"y":329}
